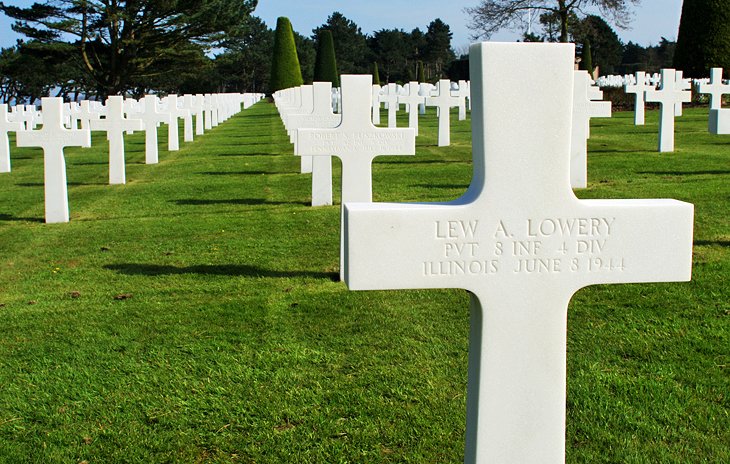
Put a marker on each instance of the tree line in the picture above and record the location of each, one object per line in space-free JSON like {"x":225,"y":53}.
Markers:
{"x":96,"y":49}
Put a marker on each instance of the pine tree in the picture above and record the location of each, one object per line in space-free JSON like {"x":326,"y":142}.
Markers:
{"x":704,"y":37}
{"x":285,"y":69}
{"x":376,"y":74}
{"x":325,"y":66}
{"x":586,"y":58}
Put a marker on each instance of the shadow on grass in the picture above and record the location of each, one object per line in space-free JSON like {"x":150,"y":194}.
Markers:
{"x":8,"y":217}
{"x":722,"y":243}
{"x":687,"y":173}
{"x":244,"y":173}
{"x":444,"y":186}
{"x":70,"y":184}
{"x":233,"y":270}
{"x":235,"y":201}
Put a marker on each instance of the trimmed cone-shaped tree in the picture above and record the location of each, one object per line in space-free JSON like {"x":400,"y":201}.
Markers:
{"x":586,"y":58}
{"x":325,"y":66}
{"x":376,"y":74}
{"x":285,"y":69}
{"x":421,"y":74}
{"x":703,"y":41}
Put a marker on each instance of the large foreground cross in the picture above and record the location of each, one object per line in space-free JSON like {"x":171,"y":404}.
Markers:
{"x":522,"y":244}
{"x":53,"y":137}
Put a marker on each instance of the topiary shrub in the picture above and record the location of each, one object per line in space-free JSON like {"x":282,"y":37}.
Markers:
{"x":285,"y":69}
{"x":703,"y":41}
{"x":376,"y":74}
{"x":325,"y":66}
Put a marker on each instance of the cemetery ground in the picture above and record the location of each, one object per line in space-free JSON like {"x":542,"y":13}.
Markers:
{"x":194,"y":314}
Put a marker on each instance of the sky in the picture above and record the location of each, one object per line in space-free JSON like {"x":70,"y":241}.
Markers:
{"x":653,"y":19}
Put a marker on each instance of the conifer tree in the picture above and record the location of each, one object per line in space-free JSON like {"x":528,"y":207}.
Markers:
{"x":325,"y":66}
{"x":376,"y":74}
{"x":704,"y":37}
{"x":285,"y":69}
{"x":586,"y":58}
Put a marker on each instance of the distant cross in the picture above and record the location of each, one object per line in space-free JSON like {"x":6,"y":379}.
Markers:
{"x":584,"y":108}
{"x":175,"y":112}
{"x":356,"y":141}
{"x":188,"y":104}
{"x":214,"y":107}
{"x":715,"y":88}
{"x":390,"y":98}
{"x":444,"y":102}
{"x":208,"y":111}
{"x":321,"y":117}
{"x":682,"y":84}
{"x":639,"y":89}
{"x":151,"y":117}
{"x":462,"y":93}
{"x":5,"y":127}
{"x":196,"y":107}
{"x":522,"y":244}
{"x":376,"y":104}
{"x":86,"y":113}
{"x":667,"y":97}
{"x":306,"y":106}
{"x":53,"y":137}
{"x":115,"y":125}
{"x":412,"y":100}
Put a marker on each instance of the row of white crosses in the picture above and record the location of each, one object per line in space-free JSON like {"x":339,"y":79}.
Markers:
{"x":60,"y":130}
{"x":315,"y":112}
{"x":674,"y":91}
{"x":443,"y":97}
{"x":522,"y":244}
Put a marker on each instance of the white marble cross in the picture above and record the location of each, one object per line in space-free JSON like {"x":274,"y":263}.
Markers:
{"x":584,"y":108}
{"x":151,"y":117}
{"x":197,"y":109}
{"x":667,"y":97}
{"x":53,"y":137}
{"x":175,"y":112}
{"x":321,"y":117}
{"x":444,"y":102}
{"x":412,"y":102}
{"x":715,"y":88}
{"x":86,"y":113}
{"x":376,"y":104}
{"x":462,"y":93}
{"x":188,"y":104}
{"x":390,"y":98}
{"x":639,"y":89}
{"x":116,"y":125}
{"x":356,"y":141}
{"x":682,"y":84}
{"x":5,"y":127}
{"x":522,"y":244}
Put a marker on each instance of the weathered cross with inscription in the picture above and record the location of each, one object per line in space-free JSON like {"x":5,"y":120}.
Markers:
{"x":5,"y":127}
{"x":115,"y":125}
{"x":53,"y":137}
{"x":668,"y":96}
{"x":715,"y":88}
{"x":639,"y":89}
{"x":412,"y":100}
{"x":356,"y":141}
{"x":444,"y":102}
{"x":522,"y":244}
{"x":321,"y":117}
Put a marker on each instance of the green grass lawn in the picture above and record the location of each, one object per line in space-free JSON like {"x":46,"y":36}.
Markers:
{"x":193,"y":315}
